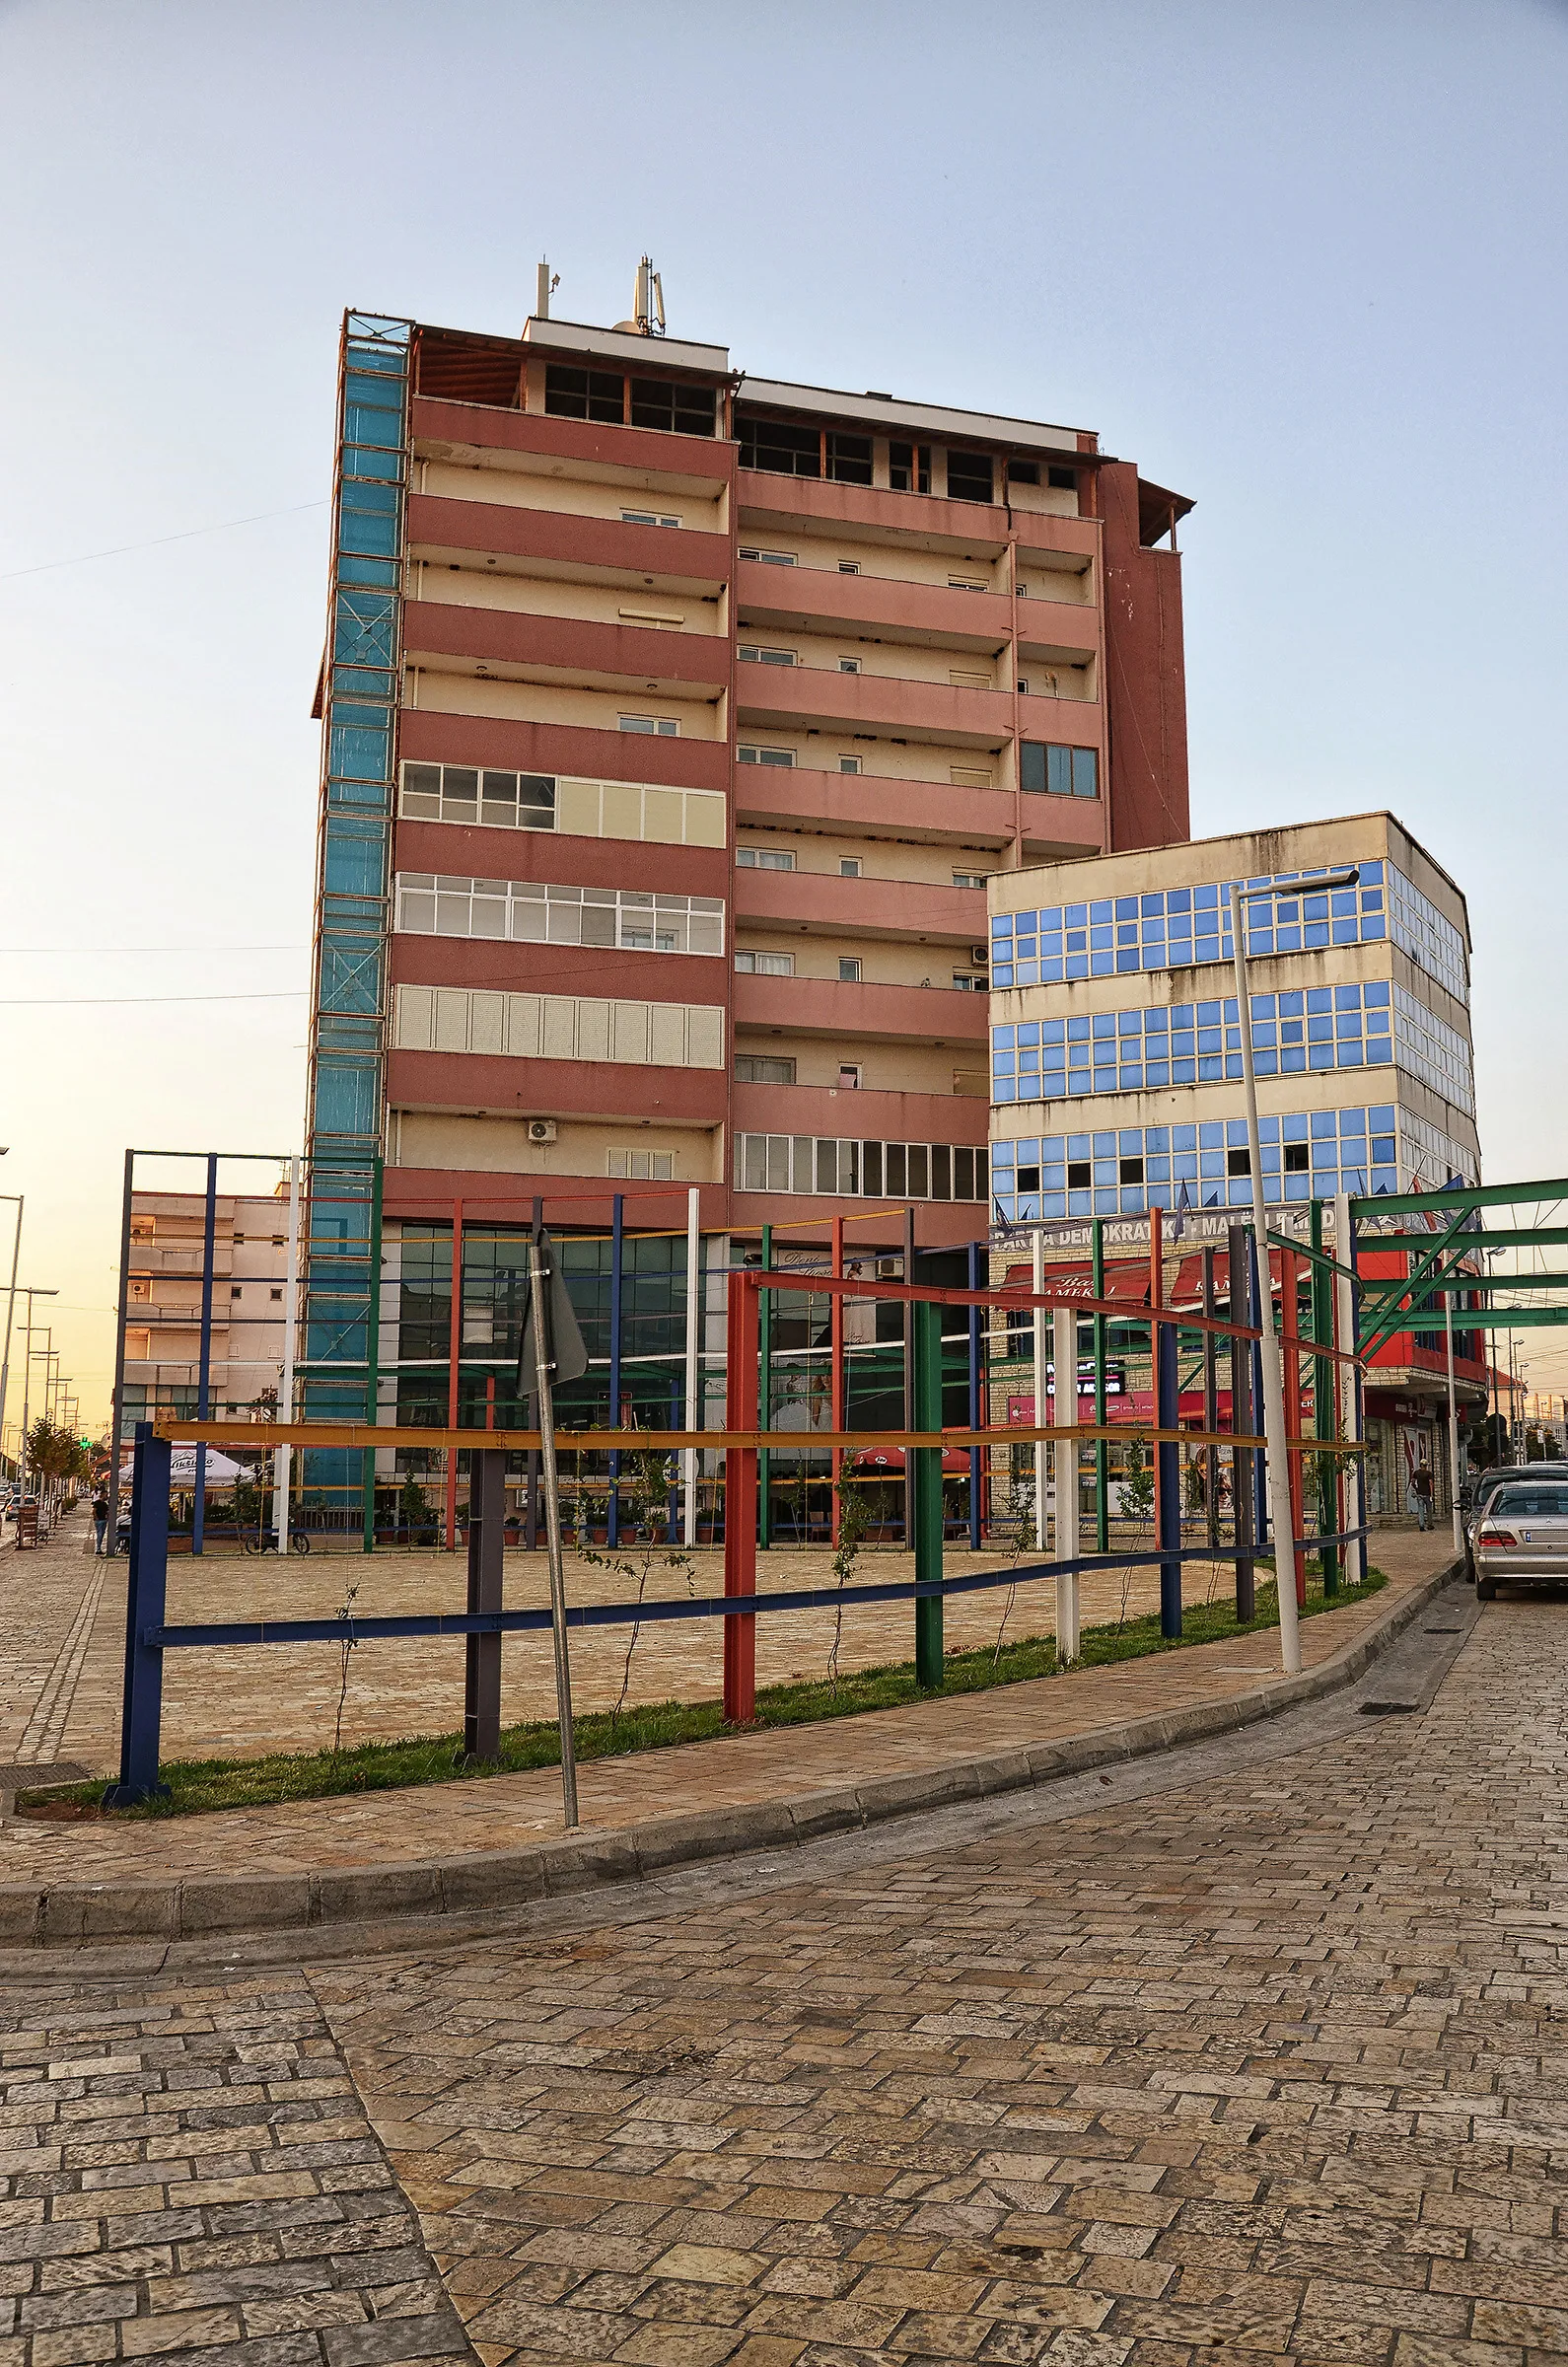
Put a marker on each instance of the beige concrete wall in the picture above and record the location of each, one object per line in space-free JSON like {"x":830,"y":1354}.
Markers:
{"x":430,"y":688}
{"x":884,"y":960}
{"x":820,"y":854}
{"x":533,"y":481}
{"x":889,"y":660}
{"x":1063,"y":578}
{"x":884,"y":758}
{"x":888,"y":1067}
{"x":501,"y":1146}
{"x":550,"y":595}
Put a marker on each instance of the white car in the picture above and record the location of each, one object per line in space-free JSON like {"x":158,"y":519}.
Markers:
{"x":1522,"y":1536}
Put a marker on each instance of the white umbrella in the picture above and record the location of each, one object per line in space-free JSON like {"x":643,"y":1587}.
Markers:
{"x":221,"y":1470}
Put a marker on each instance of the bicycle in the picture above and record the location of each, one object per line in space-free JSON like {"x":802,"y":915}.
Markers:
{"x":266,"y":1541}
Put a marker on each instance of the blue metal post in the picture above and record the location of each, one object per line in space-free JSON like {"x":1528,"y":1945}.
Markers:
{"x":1166,"y":1415}
{"x":617,"y":1248}
{"x":142,"y":1695}
{"x":199,"y":1531}
{"x":976,"y":1454}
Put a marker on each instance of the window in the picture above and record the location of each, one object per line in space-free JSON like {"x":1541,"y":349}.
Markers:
{"x":963,"y":677}
{"x":766,"y":965}
{"x":138,"y":1346}
{"x":849,"y":867}
{"x":968,"y":777}
{"x":849,"y":1076}
{"x":665,"y":726}
{"x":1062,"y":481}
{"x":767,"y":558}
{"x":1129,"y":1170}
{"x":917,"y":1171}
{"x":274,"y":1294}
{"x":752,"y":654}
{"x":759,"y":1068}
{"x":967,"y":582}
{"x":849,"y":457}
{"x":968,"y":476}
{"x":1022,"y":472}
{"x":1297,"y":1159}
{"x":764,"y":858}
{"x":968,"y":982}
{"x":1080,"y":1174}
{"x":849,"y":566}
{"x":508,"y":801}
{"x":1237,"y":1163}
{"x":970,"y":879}
{"x":526,"y":912}
{"x":910,"y":467}
{"x":1058,"y":771}
{"x":669,"y":403}
{"x":849,"y":970}
{"x":236,"y":1290}
{"x":745,"y":754}
{"x":1023,"y":687}
{"x":849,"y":665}
{"x":851,"y":765}
{"x":641,"y":1166}
{"x":584,"y":393}
{"x":779,"y":447}
{"x":648,"y":517}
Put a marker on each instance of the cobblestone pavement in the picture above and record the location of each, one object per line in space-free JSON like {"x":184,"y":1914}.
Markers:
{"x":504,"y":1811}
{"x":62,"y":1612}
{"x":1263,"y":2070}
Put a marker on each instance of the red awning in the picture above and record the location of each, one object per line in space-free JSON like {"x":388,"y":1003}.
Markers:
{"x":887,"y":1462}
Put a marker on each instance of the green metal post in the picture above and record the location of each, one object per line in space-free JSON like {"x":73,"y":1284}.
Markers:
{"x":927,"y":1494}
{"x":764,"y":1461}
{"x":372,"y":1351}
{"x":1097,"y":1237}
{"x":1326,"y":1400}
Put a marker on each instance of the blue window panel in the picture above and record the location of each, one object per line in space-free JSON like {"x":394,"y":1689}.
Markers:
{"x":1352,"y":1121}
{"x":367,"y":520}
{"x":1080,"y":1203}
{"x":1078,"y":1028}
{"x":1029,"y":1033}
{"x":1126,"y":931}
{"x":1315,"y":936}
{"x":1297,"y":1187}
{"x":1002,"y":924}
{"x":1132,"y":1079}
{"x":366,"y":424}
{"x":1156,"y":1138}
{"x":1079,"y":1146}
{"x":1025,"y":948}
{"x":1102,"y":1023}
{"x":1099,"y":909}
{"x":1371,"y":899}
{"x":1376,"y":994}
{"x":1206,"y":949}
{"x":365,"y":629}
{"x":1266,"y":1063}
{"x":1152,"y":906}
{"x":1052,"y":1031}
{"x":1059,"y":772}
{"x":1235,"y":1133}
{"x":1098,"y":936}
{"x":1184,"y":1165}
{"x":1053,"y":1203}
{"x":1077,"y":940}
{"x":355,"y":860}
{"x":384,"y":467}
{"x":360,"y":744}
{"x":1075,"y":916}
{"x":1322,"y":1124}
{"x":1266,"y":1037}
{"x":1051,"y":917}
{"x":1270,"y":1158}
{"x":1348,"y":1023}
{"x":1085,"y":772}
{"x":1350,"y":1055}
{"x":1319,"y":998}
{"x":1106,"y":1145}
{"x":1211,"y":1069}
{"x":1208,"y":1015}
{"x":1324,"y":1154}
{"x":350,"y":975}
{"x":1379,"y":1050}
{"x":1372,"y":930}
{"x":1262,"y":941}
{"x":1211,"y":1136}
{"x":347,"y":1096}
{"x":1105,"y":1080}
{"x":1347,"y":998}
{"x":1320,"y":1055}
{"x":1106,"y":1201}
{"x":1002,"y":975}
{"x":1128,"y":1141}
{"x":1002,"y":1038}
{"x":1184,"y":1072}
{"x":1382,"y":1150}
{"x":1050,"y":973}
{"x":1157,"y":1072}
{"x":1127,"y":908}
{"x":1232,"y":1064}
{"x":1346,"y":932}
{"x":1129,"y":960}
{"x":1211,"y":1165}
{"x":1159,"y":1169}
{"x":381,"y":573}
{"x":1205,"y":900}
{"x":1075,"y":966}
{"x":1239,"y":1192}
{"x":1101,"y":965}
{"x":1380,"y":1119}
{"x":1157,"y":1022}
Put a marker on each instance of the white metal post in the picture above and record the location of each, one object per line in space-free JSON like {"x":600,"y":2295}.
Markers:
{"x":291,"y":1294}
{"x":694,"y":1305}
{"x":1278,"y":1463}
{"x":11,"y":1302}
{"x":1349,"y":1393}
{"x":1065,"y":1357}
{"x":1042,"y":1402}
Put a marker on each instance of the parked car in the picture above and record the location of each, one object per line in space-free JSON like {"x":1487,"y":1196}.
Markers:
{"x":1501,"y":1475}
{"x":1522,"y":1536}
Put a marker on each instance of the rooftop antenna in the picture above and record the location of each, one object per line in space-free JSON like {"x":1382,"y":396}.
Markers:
{"x":546,"y":283}
{"x":647,"y":303}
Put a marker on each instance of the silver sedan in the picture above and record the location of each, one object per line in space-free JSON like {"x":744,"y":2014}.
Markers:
{"x":1522,"y":1536}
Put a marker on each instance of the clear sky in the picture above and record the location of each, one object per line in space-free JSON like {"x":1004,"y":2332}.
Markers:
{"x":1303,"y":263}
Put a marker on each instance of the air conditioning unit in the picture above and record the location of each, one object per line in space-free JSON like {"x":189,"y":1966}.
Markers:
{"x":979,"y":955}
{"x":542,"y":1129}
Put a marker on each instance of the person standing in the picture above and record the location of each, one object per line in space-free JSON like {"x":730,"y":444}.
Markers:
{"x":1421,"y":1494}
{"x":100,"y":1519}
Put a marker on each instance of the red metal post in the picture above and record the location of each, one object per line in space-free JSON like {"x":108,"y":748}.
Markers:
{"x":454,"y":1358}
{"x":1290,"y":1347}
{"x":740,"y":1499}
{"x":836,"y":1338}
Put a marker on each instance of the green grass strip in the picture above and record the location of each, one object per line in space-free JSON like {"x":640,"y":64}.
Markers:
{"x":200,"y":1785}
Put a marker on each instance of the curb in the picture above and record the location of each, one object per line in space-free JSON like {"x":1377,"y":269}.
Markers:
{"x":484,"y":1882}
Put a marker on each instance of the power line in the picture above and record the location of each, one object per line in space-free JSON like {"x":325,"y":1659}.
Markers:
{"x":88,"y":951}
{"x":60,"y":1002}
{"x":190,"y":534}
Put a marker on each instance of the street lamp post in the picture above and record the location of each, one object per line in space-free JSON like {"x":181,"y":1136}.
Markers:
{"x":30,"y":1292}
{"x":1278,"y":1451}
{"x":11,"y":1302}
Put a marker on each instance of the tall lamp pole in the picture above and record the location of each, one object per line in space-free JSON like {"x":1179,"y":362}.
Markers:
{"x":10,"y":1304}
{"x":1278,"y":1456}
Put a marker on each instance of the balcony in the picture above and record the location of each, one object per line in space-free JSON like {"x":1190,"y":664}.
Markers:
{"x":428,"y":735}
{"x":493,"y":1085}
{"x":814,"y":698}
{"x":933,"y":1015}
{"x":624,"y":658}
{"x":479,"y":432}
{"x":969,"y":530}
{"x":1058,"y":829}
{"x":886,"y":1116}
{"x":560,"y":543}
{"x":821,"y":600}
{"x":876,"y":804}
{"x":825,"y":905}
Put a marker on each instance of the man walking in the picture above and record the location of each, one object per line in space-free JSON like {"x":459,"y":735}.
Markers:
{"x":100,"y":1519}
{"x":1421,"y":1494}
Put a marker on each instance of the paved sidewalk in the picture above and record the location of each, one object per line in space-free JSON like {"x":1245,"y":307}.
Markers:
{"x":440,"y":1822}
{"x":62,"y":1619}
